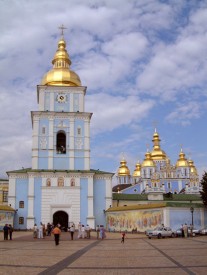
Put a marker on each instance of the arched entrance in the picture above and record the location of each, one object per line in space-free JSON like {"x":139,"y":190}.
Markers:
{"x":61,"y":217}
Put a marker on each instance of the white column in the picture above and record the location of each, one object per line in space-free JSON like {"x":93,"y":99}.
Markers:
{"x":35,"y":143}
{"x":30,"y":217}
{"x":71,"y":102}
{"x":81,"y":103}
{"x":41,"y":100}
{"x":108,"y":193}
{"x":87,"y":145}
{"x":50,"y":145}
{"x":90,"y":217}
{"x":52,"y":102}
{"x":71,"y":145}
{"x":12,"y":192}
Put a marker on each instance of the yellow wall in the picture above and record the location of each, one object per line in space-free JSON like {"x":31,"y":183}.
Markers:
{"x":4,"y":186}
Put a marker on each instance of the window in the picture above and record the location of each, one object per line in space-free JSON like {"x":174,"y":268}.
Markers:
{"x":169,"y":185}
{"x":5,"y":196}
{"x":21,"y":220}
{"x":43,"y":130}
{"x":61,"y":142}
{"x":79,"y":131}
{"x":21,"y":204}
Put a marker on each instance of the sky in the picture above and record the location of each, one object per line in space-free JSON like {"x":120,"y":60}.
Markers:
{"x":144,"y":63}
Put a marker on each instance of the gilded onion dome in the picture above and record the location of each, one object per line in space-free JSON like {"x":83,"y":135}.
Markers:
{"x":157,"y":153}
{"x":123,"y":169}
{"x":182,"y":161}
{"x":148,"y":162}
{"x":61,"y":75}
{"x":137,"y":170}
{"x":193,"y":169}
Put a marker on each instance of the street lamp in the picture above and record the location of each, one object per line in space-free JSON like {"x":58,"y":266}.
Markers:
{"x":192,"y":210}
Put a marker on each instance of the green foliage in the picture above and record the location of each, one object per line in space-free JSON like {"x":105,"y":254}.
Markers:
{"x":203,"y":193}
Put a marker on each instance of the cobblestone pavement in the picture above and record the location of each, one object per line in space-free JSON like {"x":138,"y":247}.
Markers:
{"x":138,"y":255}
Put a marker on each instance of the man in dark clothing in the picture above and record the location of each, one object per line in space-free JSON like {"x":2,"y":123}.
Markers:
{"x":10,"y":232}
{"x":6,"y":231}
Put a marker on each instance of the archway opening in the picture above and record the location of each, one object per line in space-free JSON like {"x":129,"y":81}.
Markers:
{"x":61,"y":217}
{"x":61,"y":142}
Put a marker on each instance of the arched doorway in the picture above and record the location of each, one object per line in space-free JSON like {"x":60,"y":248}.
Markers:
{"x":61,"y":217}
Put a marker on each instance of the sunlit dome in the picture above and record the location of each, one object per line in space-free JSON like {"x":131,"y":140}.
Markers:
{"x":157,"y":153}
{"x":137,"y":170}
{"x":123,"y":169}
{"x":148,"y":162}
{"x":182,"y":161}
{"x":61,"y":75}
{"x":193,"y":169}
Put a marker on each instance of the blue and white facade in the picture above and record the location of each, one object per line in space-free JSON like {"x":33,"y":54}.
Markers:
{"x":60,"y":186}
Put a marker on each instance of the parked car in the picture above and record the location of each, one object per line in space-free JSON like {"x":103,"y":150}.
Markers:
{"x":160,"y":232}
{"x":178,"y":232}
{"x":203,"y":231}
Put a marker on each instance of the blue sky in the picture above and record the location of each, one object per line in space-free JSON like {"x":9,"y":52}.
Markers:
{"x":142,"y":62}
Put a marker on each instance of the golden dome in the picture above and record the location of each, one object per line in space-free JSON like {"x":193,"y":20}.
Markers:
{"x":157,"y":153}
{"x":182,"y":161}
{"x":193,"y":169}
{"x":123,"y":169}
{"x":61,"y":75}
{"x":148,"y":162}
{"x":137,"y":170}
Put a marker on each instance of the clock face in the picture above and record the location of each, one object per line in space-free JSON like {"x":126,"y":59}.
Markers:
{"x":61,"y":98}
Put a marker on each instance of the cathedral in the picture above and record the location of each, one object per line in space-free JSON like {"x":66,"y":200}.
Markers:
{"x":60,"y":187}
{"x":157,"y":175}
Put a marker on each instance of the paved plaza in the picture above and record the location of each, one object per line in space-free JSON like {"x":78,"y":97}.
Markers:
{"x":138,"y":255}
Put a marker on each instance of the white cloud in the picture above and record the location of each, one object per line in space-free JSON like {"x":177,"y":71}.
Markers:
{"x":185,"y":113}
{"x":112,"y":112}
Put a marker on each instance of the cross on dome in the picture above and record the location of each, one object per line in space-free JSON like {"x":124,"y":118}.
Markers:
{"x":62,"y":28}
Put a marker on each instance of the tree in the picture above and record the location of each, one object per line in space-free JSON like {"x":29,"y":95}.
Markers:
{"x":204,"y":189}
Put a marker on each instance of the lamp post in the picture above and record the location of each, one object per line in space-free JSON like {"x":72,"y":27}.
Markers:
{"x":192,"y":210}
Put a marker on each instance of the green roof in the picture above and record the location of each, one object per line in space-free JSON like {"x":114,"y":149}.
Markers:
{"x":144,"y":197}
{"x":28,"y":170}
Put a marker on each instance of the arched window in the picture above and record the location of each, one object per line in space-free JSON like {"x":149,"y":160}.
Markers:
{"x":72,"y":182}
{"x":60,"y":181}
{"x":48,"y":182}
{"x":61,"y":142}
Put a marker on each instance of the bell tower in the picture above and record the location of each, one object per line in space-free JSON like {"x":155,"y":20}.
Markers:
{"x":61,"y":127}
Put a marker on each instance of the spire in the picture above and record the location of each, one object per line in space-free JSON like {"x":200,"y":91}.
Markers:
{"x":61,"y":75}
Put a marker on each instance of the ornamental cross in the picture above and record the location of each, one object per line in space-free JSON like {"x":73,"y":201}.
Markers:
{"x":62,"y":28}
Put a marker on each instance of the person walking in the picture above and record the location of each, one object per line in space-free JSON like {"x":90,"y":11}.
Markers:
{"x":88,"y":229}
{"x":6,"y":232}
{"x":97,"y":231}
{"x":79,"y":230}
{"x":83,"y":231}
{"x":10,"y":232}
{"x":123,"y":235}
{"x":40,"y":231}
{"x":35,"y":230}
{"x":185,"y":229}
{"x":56,"y":231}
{"x":72,"y":230}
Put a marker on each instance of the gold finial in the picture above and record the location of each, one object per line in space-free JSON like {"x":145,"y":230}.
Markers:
{"x":181,"y":147}
{"x":147,"y":145}
{"x":62,"y":28}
